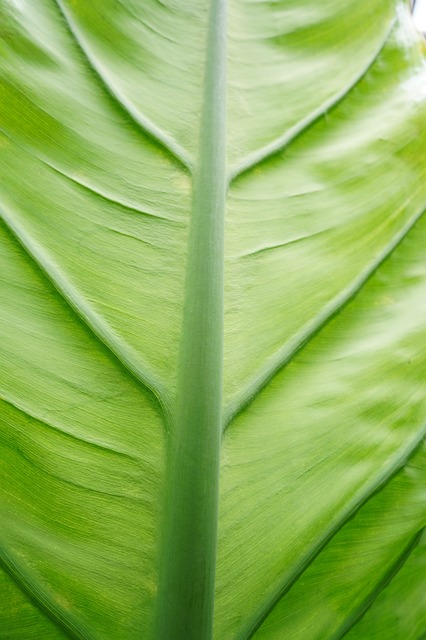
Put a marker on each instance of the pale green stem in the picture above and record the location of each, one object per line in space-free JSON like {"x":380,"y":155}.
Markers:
{"x":188,"y":553}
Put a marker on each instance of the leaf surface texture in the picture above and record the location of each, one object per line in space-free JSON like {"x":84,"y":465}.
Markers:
{"x":322,"y":476}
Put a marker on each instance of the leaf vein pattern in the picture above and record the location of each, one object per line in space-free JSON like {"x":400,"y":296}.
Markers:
{"x":384,"y":582}
{"x":99,"y":329}
{"x":71,"y":483}
{"x":401,"y":459}
{"x":43,"y":600}
{"x":59,"y":429}
{"x":288,"y":352}
{"x":88,"y":187}
{"x":144,"y":123}
{"x":148,"y":26}
{"x":109,"y":198}
{"x":286,"y":139}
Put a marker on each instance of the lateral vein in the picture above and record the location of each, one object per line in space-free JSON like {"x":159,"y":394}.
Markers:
{"x":286,"y":139}
{"x":45,"y":602}
{"x":383,"y":583}
{"x":400,"y":460}
{"x":142,"y":121}
{"x":101,"y":331}
{"x":288,"y":352}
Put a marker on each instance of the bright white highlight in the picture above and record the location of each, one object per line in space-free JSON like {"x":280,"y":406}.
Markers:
{"x":419,"y":15}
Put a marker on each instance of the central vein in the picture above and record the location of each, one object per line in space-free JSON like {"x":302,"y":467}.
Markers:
{"x":188,"y":553}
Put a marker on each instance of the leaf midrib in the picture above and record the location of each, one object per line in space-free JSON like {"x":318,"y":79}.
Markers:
{"x":189,"y":546}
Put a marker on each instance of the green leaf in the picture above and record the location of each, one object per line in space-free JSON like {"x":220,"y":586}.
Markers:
{"x":212,"y":303}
